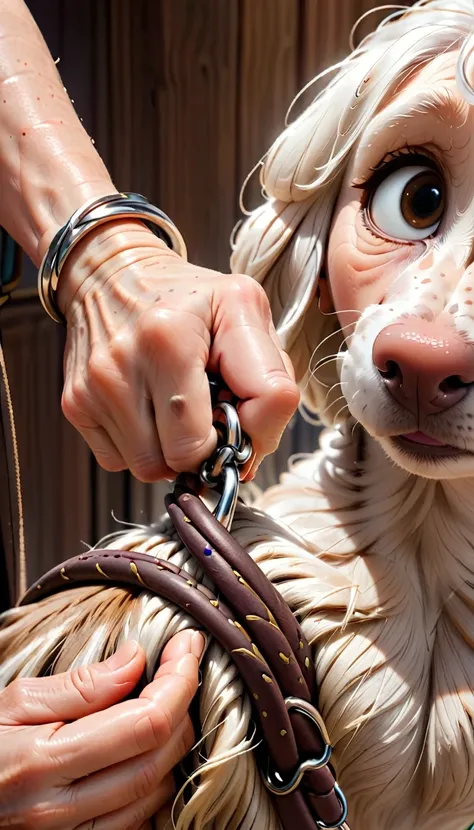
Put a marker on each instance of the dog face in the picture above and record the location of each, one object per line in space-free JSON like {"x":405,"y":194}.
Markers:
{"x":401,"y":275}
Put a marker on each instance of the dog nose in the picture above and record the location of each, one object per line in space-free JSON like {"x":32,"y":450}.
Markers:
{"x":427,"y":367}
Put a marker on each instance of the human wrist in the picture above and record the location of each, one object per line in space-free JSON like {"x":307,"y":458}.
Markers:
{"x":104,"y":254}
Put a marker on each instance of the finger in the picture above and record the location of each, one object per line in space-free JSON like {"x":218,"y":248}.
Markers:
{"x":284,"y":356}
{"x":127,"y":729}
{"x":74,"y":406}
{"x":186,"y":642}
{"x":251,"y":364}
{"x":72,"y":695}
{"x":105,"y":452}
{"x":175,"y":367}
{"x":124,"y":411}
{"x":135,"y":815}
{"x":122,"y":784}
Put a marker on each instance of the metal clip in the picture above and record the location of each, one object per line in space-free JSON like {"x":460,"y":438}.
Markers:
{"x":221,"y":471}
{"x":284,"y":788}
{"x":279,"y":787}
{"x":341,"y":822}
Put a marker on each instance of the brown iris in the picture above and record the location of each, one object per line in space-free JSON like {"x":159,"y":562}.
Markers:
{"x":422,"y":202}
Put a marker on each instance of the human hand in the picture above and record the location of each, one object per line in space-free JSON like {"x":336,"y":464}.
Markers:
{"x":143,"y":328}
{"x":72,"y":756}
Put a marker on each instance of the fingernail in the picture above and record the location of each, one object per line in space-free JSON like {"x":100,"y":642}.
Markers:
{"x":123,"y":655}
{"x":197,"y":644}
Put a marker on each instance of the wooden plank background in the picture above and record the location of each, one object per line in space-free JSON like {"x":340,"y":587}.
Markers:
{"x":182,"y":98}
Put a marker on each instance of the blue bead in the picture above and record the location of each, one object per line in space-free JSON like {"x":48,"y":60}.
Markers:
{"x":207,"y":550}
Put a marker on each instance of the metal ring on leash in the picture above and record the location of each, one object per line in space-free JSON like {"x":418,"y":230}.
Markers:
{"x":341,"y":824}
{"x":221,"y":471}
{"x":225,"y":508}
{"x":284,"y":788}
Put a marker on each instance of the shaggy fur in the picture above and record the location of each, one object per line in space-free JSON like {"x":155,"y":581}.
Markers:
{"x":373,"y":552}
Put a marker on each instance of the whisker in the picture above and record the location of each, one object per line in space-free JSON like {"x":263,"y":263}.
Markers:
{"x":325,"y":359}
{"x":328,"y":337}
{"x":339,"y":411}
{"x":332,"y":403}
{"x":344,"y":311}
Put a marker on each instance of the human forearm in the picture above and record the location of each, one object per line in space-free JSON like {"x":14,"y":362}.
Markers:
{"x":48,"y":164}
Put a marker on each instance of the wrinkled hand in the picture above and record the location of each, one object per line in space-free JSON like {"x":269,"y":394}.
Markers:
{"x":71,"y":756}
{"x":143,"y":327}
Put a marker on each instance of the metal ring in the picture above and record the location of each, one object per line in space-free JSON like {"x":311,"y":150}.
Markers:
{"x":342,"y":821}
{"x":225,"y":455}
{"x":304,"y":708}
{"x":243,"y":454}
{"x":234,"y":432}
{"x":211,"y":470}
{"x":90,"y":216}
{"x":225,"y":507}
{"x":310,"y":711}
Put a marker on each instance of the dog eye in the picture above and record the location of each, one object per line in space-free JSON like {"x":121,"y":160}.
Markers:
{"x":408,"y":204}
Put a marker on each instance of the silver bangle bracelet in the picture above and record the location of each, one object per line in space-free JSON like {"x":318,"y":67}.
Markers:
{"x":93,"y":214}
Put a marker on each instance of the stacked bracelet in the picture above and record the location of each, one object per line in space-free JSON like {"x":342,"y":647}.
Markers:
{"x":85,"y":220}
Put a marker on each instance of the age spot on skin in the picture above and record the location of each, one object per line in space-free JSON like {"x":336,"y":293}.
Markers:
{"x":178,"y":405}
{"x":426,"y":281}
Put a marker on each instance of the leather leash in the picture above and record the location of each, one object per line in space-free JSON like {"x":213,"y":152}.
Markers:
{"x":248,"y":617}
{"x":11,"y":507}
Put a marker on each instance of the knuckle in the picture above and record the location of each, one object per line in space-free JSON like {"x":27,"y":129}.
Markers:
{"x":156,"y":324}
{"x":148,"y":467}
{"x":282,"y":389}
{"x":26,"y":779}
{"x":186,"y":455}
{"x":15,"y":698}
{"x":153,"y":729}
{"x":249,"y":288}
{"x":121,"y":348}
{"x":109,"y":463}
{"x":82,"y":679}
{"x":76,"y":403}
{"x":147,"y":780}
{"x":99,"y":367}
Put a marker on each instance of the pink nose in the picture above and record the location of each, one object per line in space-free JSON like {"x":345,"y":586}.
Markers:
{"x":426,"y":367}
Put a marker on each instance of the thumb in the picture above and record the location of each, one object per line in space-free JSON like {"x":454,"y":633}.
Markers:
{"x":66,"y":697}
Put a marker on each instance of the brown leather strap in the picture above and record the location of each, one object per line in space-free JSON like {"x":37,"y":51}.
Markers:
{"x":259,"y":633}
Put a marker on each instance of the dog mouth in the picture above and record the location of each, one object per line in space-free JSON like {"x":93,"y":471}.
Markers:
{"x":423,"y":445}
